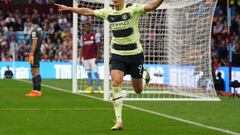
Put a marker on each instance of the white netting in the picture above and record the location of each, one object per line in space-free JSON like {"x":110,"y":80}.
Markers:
{"x":176,"y":41}
{"x":97,"y":26}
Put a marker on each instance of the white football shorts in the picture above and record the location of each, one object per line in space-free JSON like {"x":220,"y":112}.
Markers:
{"x":90,"y":65}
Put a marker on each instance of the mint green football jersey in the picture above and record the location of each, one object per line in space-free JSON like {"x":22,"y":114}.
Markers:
{"x":124,"y":26}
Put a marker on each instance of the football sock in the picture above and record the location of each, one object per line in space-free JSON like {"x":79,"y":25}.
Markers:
{"x":97,"y":79}
{"x":37,"y":82}
{"x":117,"y":103}
{"x":89,"y":74}
{"x":144,"y":80}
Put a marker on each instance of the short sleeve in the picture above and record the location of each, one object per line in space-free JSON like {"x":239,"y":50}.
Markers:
{"x":98,"y":38}
{"x":80,"y":42}
{"x":34,"y":34}
{"x":101,"y":13}
{"x":138,"y":8}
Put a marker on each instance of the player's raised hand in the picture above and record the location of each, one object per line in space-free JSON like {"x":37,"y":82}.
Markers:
{"x":62,"y":7}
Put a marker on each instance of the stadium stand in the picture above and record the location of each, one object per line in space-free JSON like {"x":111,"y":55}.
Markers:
{"x":58,"y":33}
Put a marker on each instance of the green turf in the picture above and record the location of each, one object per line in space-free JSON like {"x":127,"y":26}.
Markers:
{"x":61,"y":113}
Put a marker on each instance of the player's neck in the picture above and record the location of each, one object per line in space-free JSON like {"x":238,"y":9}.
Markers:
{"x":119,"y":7}
{"x":88,"y":33}
{"x":34,"y":25}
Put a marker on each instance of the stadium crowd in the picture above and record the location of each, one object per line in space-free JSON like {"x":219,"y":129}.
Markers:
{"x":221,"y":41}
{"x":15,"y":28}
{"x":57,"y":44}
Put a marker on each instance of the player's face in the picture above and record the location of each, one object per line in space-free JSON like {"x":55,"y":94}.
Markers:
{"x":118,"y":2}
{"x":87,"y":28}
{"x":209,"y":2}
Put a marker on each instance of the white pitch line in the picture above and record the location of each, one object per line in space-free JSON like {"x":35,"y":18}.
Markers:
{"x":149,"y":111}
{"x":5,"y":129}
{"x":52,"y":109}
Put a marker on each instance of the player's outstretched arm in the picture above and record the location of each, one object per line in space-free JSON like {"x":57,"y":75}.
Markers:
{"x":152,"y":5}
{"x":81,"y":11}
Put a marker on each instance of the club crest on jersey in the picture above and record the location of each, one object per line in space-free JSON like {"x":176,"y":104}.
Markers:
{"x":125,"y":17}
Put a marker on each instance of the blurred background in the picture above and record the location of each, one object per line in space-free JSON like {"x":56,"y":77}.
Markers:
{"x":15,"y":27}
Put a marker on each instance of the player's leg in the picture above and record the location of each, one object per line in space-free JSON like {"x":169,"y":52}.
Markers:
{"x":140,"y":82}
{"x":96,"y":74}
{"x":36,"y":78}
{"x":138,"y":73}
{"x":90,"y":81}
{"x":98,"y":82}
{"x":137,"y":85}
{"x":117,"y":78}
{"x":118,"y":70}
{"x":87,"y":67}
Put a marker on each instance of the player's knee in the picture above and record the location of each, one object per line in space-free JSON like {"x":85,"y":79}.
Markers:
{"x":138,"y":90}
{"x":35,"y":71}
{"x":116,"y":83}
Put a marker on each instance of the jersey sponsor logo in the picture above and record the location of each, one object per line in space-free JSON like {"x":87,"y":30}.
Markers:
{"x":89,"y":39}
{"x":88,"y":42}
{"x":119,"y":26}
{"x":119,"y":22}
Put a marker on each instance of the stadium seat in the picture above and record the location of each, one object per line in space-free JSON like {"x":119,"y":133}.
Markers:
{"x":20,"y":36}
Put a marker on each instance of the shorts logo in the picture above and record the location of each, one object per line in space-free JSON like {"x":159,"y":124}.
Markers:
{"x":140,"y":67}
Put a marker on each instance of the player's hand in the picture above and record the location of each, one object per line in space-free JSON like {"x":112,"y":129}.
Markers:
{"x":81,"y":60}
{"x":31,"y":58}
{"x":62,"y":7}
{"x":96,"y":61}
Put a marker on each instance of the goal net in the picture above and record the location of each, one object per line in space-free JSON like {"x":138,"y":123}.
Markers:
{"x":177,"y":49}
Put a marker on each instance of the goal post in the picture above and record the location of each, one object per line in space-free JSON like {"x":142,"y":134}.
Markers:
{"x":106,"y":54}
{"x":101,"y":27}
{"x":74,"y":52}
{"x":176,"y":39}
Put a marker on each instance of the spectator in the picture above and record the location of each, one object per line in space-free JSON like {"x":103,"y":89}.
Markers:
{"x":10,"y":20}
{"x":7,"y":57}
{"x":8,"y":74}
{"x":219,"y":84}
{"x":57,"y":30}
{"x":27,"y":31}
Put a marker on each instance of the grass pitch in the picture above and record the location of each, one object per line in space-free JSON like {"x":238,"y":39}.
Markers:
{"x":59,"y":112}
